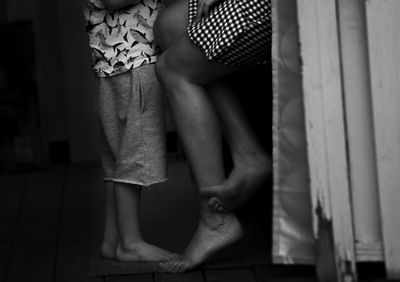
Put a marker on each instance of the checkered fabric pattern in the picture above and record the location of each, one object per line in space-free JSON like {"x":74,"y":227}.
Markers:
{"x":236,"y":32}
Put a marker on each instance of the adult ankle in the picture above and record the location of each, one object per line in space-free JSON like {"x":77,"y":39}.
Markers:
{"x":214,"y":220}
{"x":253,"y":155}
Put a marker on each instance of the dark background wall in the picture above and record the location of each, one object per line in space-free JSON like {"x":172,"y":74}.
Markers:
{"x":65,"y":83}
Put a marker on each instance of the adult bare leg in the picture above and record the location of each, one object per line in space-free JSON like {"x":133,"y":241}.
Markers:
{"x":183,"y":71}
{"x":252,"y":165}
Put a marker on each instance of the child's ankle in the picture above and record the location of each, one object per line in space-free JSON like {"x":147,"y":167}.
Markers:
{"x":129,"y":244}
{"x":108,"y":249}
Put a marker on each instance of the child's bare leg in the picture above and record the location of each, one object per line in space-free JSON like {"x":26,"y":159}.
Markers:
{"x":131,"y":245}
{"x":110,"y":235}
{"x":252,"y":165}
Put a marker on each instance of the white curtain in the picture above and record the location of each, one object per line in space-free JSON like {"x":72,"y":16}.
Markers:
{"x":293,"y":241}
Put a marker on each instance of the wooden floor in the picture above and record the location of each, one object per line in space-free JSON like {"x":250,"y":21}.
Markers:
{"x":45,"y":219}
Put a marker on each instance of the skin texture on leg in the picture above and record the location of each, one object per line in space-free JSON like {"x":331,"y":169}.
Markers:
{"x":195,"y":117}
{"x":216,"y":232}
{"x":171,"y":23}
{"x":252,"y":165}
{"x":110,"y":234}
{"x":198,"y":128}
{"x":235,"y":125}
{"x":131,"y":245}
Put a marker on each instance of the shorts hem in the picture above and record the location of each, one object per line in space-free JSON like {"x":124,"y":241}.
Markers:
{"x":134,"y":182}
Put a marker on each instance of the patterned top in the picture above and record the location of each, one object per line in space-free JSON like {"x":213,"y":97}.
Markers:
{"x":235,"y":33}
{"x":123,"y":39}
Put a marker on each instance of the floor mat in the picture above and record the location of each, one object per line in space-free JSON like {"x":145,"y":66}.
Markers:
{"x":169,"y":217}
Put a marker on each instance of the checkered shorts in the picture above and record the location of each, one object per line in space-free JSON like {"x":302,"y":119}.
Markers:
{"x":236,"y":32}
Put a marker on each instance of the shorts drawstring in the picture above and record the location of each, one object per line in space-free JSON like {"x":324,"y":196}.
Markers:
{"x":141,"y":96}
{"x":141,"y":101}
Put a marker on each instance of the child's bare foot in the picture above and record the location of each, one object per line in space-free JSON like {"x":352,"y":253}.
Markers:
{"x":208,"y":239}
{"x":107,"y":249}
{"x":241,"y":184}
{"x":143,"y":252}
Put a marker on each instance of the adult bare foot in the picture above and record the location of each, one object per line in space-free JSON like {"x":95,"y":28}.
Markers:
{"x":143,"y":252}
{"x":210,"y":237}
{"x":242,"y":183}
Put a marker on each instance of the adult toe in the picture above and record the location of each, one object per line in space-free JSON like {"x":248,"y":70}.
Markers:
{"x":172,"y":266}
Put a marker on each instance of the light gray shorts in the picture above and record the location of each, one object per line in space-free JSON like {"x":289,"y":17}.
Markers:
{"x":131,"y":112}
